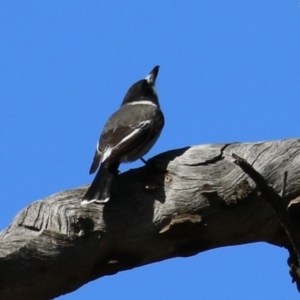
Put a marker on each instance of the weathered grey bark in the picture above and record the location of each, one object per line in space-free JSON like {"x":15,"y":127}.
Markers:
{"x":198,"y":200}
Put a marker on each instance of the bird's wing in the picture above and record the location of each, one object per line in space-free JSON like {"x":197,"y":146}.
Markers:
{"x":122,"y":138}
{"x":119,"y":138}
{"x":96,"y":161}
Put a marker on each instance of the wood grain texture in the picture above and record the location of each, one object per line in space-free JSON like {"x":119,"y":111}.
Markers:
{"x":194,"y":200}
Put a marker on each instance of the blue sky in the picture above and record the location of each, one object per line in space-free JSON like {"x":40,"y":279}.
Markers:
{"x":229,"y":73}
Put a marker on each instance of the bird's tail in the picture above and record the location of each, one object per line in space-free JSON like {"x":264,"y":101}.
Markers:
{"x":99,"y":190}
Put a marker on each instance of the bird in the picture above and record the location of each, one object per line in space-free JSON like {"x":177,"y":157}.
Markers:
{"x":127,"y":136}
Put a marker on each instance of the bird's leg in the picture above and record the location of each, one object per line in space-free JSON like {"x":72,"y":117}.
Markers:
{"x":143,"y":160}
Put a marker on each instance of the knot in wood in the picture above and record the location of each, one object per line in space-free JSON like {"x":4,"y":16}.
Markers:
{"x":168,"y":178}
{"x":241,"y":192}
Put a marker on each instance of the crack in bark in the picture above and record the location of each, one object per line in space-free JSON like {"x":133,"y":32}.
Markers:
{"x":212,"y":160}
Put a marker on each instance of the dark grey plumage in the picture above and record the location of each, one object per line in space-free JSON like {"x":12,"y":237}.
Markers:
{"x":129,"y":134}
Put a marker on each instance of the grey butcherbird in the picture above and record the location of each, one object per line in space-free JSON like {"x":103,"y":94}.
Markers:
{"x":128,"y":134}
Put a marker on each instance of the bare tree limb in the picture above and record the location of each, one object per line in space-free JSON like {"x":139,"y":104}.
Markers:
{"x":199,"y":199}
{"x":279,"y":207}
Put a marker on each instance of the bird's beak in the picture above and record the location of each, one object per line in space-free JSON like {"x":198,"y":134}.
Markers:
{"x":152,"y":75}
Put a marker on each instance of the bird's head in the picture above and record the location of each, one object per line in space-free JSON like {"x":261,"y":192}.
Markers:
{"x":143,"y":90}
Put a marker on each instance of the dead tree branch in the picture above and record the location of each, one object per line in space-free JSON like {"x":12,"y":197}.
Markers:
{"x":196,"y":199}
{"x":280,"y":209}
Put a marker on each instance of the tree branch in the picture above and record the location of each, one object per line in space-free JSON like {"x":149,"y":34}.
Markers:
{"x":279,"y":207}
{"x":199,"y":199}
